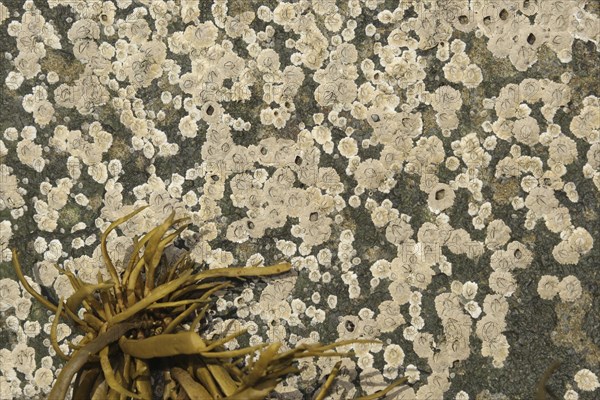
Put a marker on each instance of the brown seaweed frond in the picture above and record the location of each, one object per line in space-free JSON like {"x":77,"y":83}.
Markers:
{"x":137,"y":326}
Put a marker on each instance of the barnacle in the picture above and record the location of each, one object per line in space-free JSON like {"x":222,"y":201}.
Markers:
{"x":134,"y":329}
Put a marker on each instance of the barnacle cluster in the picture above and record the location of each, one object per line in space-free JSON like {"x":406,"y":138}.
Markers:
{"x":430,"y":168}
{"x":138,"y":323}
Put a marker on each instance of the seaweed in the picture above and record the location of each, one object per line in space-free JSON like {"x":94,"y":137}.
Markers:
{"x":137,"y":327}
